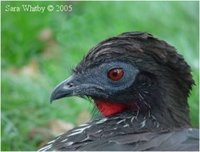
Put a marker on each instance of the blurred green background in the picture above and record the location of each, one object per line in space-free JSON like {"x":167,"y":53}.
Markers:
{"x":40,"y":49}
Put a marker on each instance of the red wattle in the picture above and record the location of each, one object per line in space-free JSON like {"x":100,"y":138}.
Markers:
{"x":109,"y":108}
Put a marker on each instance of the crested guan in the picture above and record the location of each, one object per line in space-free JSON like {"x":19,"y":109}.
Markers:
{"x":140,"y":85}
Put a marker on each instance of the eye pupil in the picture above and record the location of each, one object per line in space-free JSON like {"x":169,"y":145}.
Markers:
{"x":115,"y":74}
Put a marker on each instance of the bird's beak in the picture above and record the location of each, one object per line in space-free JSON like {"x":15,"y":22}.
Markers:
{"x":64,"y":89}
{"x":77,"y":85}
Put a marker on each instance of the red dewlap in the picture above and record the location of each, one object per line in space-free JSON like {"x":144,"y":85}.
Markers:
{"x":109,"y":108}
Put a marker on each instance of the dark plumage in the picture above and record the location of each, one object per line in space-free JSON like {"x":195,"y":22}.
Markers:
{"x":140,"y":84}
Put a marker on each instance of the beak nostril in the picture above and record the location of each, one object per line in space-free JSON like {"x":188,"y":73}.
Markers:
{"x":70,"y":84}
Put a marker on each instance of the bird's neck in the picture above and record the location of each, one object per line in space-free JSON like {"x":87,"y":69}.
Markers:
{"x":129,"y":122}
{"x":169,"y":111}
{"x":135,"y":121}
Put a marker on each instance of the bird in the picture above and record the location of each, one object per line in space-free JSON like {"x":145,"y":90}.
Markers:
{"x":140,"y":85}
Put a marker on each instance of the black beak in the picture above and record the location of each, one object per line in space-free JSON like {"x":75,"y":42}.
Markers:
{"x":64,"y":89}
{"x":77,"y":86}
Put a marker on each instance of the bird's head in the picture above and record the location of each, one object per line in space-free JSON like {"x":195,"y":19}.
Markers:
{"x":133,"y":72}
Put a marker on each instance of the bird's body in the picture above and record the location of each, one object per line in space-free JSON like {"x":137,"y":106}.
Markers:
{"x":123,"y":133}
{"x":140,"y":85}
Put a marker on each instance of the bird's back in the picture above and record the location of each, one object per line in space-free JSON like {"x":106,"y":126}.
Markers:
{"x":118,"y":134}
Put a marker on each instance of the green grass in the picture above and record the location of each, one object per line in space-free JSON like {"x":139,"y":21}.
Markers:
{"x":25,"y":95}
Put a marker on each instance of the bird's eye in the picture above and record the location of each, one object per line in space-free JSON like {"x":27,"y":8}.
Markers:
{"x":115,"y":74}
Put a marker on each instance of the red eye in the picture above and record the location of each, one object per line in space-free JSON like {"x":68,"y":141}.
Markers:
{"x":115,"y":74}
